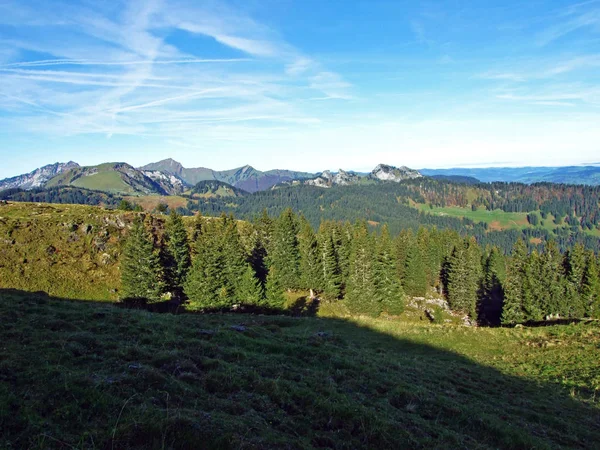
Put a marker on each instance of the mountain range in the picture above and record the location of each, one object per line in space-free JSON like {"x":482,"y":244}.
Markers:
{"x":169,"y":177}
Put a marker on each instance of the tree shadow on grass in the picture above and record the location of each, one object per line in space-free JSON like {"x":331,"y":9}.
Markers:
{"x":77,"y":374}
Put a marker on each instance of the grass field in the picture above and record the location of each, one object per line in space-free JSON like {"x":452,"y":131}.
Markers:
{"x":150,"y":202}
{"x":104,"y":181}
{"x":91,"y":375}
{"x":497,"y":219}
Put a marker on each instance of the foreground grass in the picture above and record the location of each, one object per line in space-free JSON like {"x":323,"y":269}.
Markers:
{"x":91,"y":375}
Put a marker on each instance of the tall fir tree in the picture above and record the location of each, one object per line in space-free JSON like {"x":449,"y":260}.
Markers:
{"x":415,"y":276}
{"x":463,"y":278}
{"x":549,"y":278}
{"x":402,"y":242}
{"x":574,"y":264}
{"x":492,"y":293}
{"x":250,"y":290}
{"x":284,"y":254}
{"x":361,"y":295}
{"x":590,"y":293}
{"x":332,"y":273}
{"x":512,"y":311}
{"x":205,"y":285}
{"x":310,"y":257}
{"x":141,"y":270}
{"x":178,"y":253}
{"x":274,"y":297}
{"x":388,"y":287}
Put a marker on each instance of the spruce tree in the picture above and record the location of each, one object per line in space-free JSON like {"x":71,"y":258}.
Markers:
{"x":141,"y":271}
{"x":512,"y":311}
{"x":274,"y":298}
{"x":310,"y":257}
{"x":361,"y":294}
{"x":332,"y":273}
{"x":575,"y":262}
{"x":284,"y":254}
{"x":250,"y":290}
{"x":233,"y":255}
{"x":178,"y":253}
{"x":533,"y":296}
{"x":492,"y":293}
{"x":206,"y":282}
{"x":401,"y":245}
{"x":388,"y":286}
{"x":591,"y":287}
{"x":463,"y":278}
{"x":549,"y":280}
{"x":415,"y":277}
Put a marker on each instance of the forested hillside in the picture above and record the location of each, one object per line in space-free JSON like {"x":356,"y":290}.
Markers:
{"x":564,"y":213}
{"x":216,"y":263}
{"x":495,"y":214}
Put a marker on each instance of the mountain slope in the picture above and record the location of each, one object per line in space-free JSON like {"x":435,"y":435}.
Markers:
{"x":38,"y":178}
{"x":116,"y":178}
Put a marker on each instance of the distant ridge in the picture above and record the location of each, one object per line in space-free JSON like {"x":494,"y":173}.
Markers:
{"x":567,"y":175}
{"x":246,"y":177}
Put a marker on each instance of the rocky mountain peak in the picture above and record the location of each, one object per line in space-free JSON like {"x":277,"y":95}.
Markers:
{"x":390,"y":173}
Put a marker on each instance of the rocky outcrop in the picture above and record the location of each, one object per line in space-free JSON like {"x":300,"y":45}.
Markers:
{"x":390,"y":173}
{"x":328,"y":179}
{"x":38,"y":178}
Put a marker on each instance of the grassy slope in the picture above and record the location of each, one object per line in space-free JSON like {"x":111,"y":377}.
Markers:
{"x":108,"y":181}
{"x":87,"y":375}
{"x":501,"y":220}
{"x":150,"y":202}
{"x":497,"y":219}
{"x":65,"y":250}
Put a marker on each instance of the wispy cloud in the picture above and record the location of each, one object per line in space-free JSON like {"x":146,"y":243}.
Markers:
{"x":571,"y":19}
{"x":110,"y":68}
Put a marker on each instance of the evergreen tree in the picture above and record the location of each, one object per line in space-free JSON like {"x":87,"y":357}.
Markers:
{"x":415,"y":277}
{"x":388,"y":286}
{"x":205,"y":285}
{"x":492,"y":294}
{"x":274,"y":296}
{"x":178,"y":253}
{"x":310,"y":257}
{"x":401,"y":245}
{"x":234,"y":257}
{"x":332,"y":273}
{"x":549,"y":280}
{"x":250,"y":290}
{"x":591,"y":287}
{"x":463,"y":279}
{"x":361,"y":295}
{"x":512,"y":311}
{"x":533,"y":293}
{"x":574,"y":263}
{"x":141,"y":271}
{"x":284,"y":254}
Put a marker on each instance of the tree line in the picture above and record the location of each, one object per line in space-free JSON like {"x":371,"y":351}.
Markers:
{"x":217,"y":263}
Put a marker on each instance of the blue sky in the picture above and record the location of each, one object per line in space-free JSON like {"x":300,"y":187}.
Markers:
{"x":300,"y":84}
